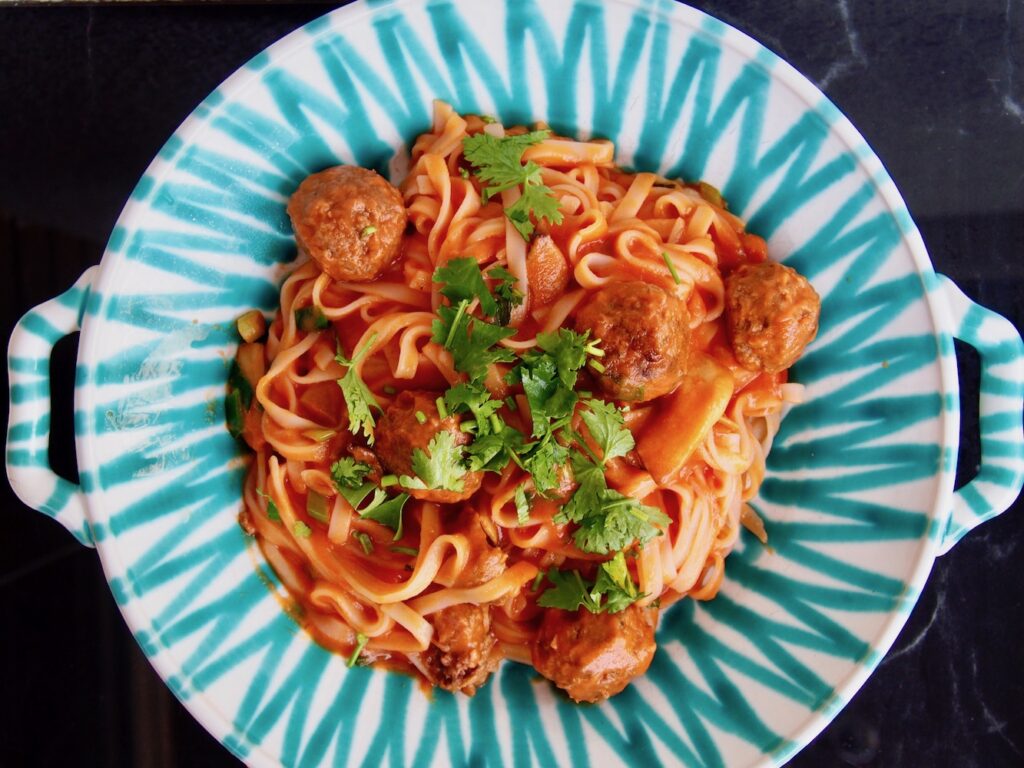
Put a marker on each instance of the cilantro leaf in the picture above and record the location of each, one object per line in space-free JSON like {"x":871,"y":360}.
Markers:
{"x":272,"y":511}
{"x":347,"y":473}
{"x":569,"y":351}
{"x":506,"y":293}
{"x":607,"y":520}
{"x":355,"y":496}
{"x":613,"y":583}
{"x":475,"y":399}
{"x":471,"y":341}
{"x":463,"y":281}
{"x":608,"y":428}
{"x":386,"y":511}
{"x":543,"y":460}
{"x":493,"y":452}
{"x":439,"y":467}
{"x":548,"y":375}
{"x":539,"y":200}
{"x":310,"y":319}
{"x":522,"y":505}
{"x":569,"y":592}
{"x":358,"y":397}
{"x":499,"y":163}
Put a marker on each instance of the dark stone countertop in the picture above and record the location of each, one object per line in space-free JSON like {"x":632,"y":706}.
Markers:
{"x":88,"y":95}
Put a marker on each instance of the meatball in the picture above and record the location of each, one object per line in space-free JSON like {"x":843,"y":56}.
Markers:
{"x":645,"y":334}
{"x":547,"y":271}
{"x":411,"y":422}
{"x":349,"y":220}
{"x":592,"y":656}
{"x":771,"y":312}
{"x":464,"y":650}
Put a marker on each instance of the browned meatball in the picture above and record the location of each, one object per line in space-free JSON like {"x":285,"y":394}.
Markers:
{"x":645,"y":335}
{"x":464,"y":650}
{"x":400,"y":432}
{"x":592,"y":656}
{"x":547,"y":271}
{"x":772,"y":313}
{"x":349,"y":220}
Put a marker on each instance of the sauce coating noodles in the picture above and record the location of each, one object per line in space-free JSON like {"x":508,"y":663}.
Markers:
{"x":453,"y":583}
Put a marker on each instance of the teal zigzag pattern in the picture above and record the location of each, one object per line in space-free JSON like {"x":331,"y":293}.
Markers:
{"x":206,"y":232}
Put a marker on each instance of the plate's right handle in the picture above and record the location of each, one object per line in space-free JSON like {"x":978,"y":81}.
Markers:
{"x":1000,"y":409}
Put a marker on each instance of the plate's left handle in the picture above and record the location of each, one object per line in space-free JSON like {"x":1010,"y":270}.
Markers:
{"x":28,"y":430}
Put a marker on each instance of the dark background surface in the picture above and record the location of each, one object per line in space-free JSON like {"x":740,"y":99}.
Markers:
{"x":89,"y":94}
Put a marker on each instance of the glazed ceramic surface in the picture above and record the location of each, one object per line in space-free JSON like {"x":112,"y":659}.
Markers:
{"x":858,"y":502}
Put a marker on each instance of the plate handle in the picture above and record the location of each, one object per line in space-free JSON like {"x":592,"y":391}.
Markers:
{"x":28,"y":430}
{"x":1000,"y":407}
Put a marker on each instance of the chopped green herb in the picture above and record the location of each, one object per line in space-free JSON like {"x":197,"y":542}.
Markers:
{"x":597,"y":366}
{"x":488,"y":119}
{"x":671,"y":266}
{"x":474,"y":399}
{"x":358,"y":397}
{"x":355,"y":496}
{"x":463,"y":281}
{"x":522,"y":505}
{"x":506,"y":293}
{"x":421,"y":417}
{"x":386,"y":511}
{"x":492,"y":452}
{"x":411,"y":551}
{"x":346,"y":472}
{"x":441,"y":466}
{"x":607,"y":520}
{"x":606,"y":425}
{"x":310,"y":319}
{"x":365,"y":232}
{"x":613,"y":583}
{"x":364,"y":541}
{"x":361,"y":641}
{"x":464,"y":173}
{"x":471,"y":340}
{"x":272,"y":512}
{"x":498,"y":163}
{"x":301,"y":530}
{"x":544,"y":460}
{"x":548,"y":375}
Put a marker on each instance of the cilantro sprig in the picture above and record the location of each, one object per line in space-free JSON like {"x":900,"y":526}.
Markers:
{"x":548,"y":375}
{"x":347,"y":473}
{"x":612,"y":591}
{"x":607,"y":520}
{"x":358,"y":398}
{"x":440,"y":467}
{"x":498,"y":162}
